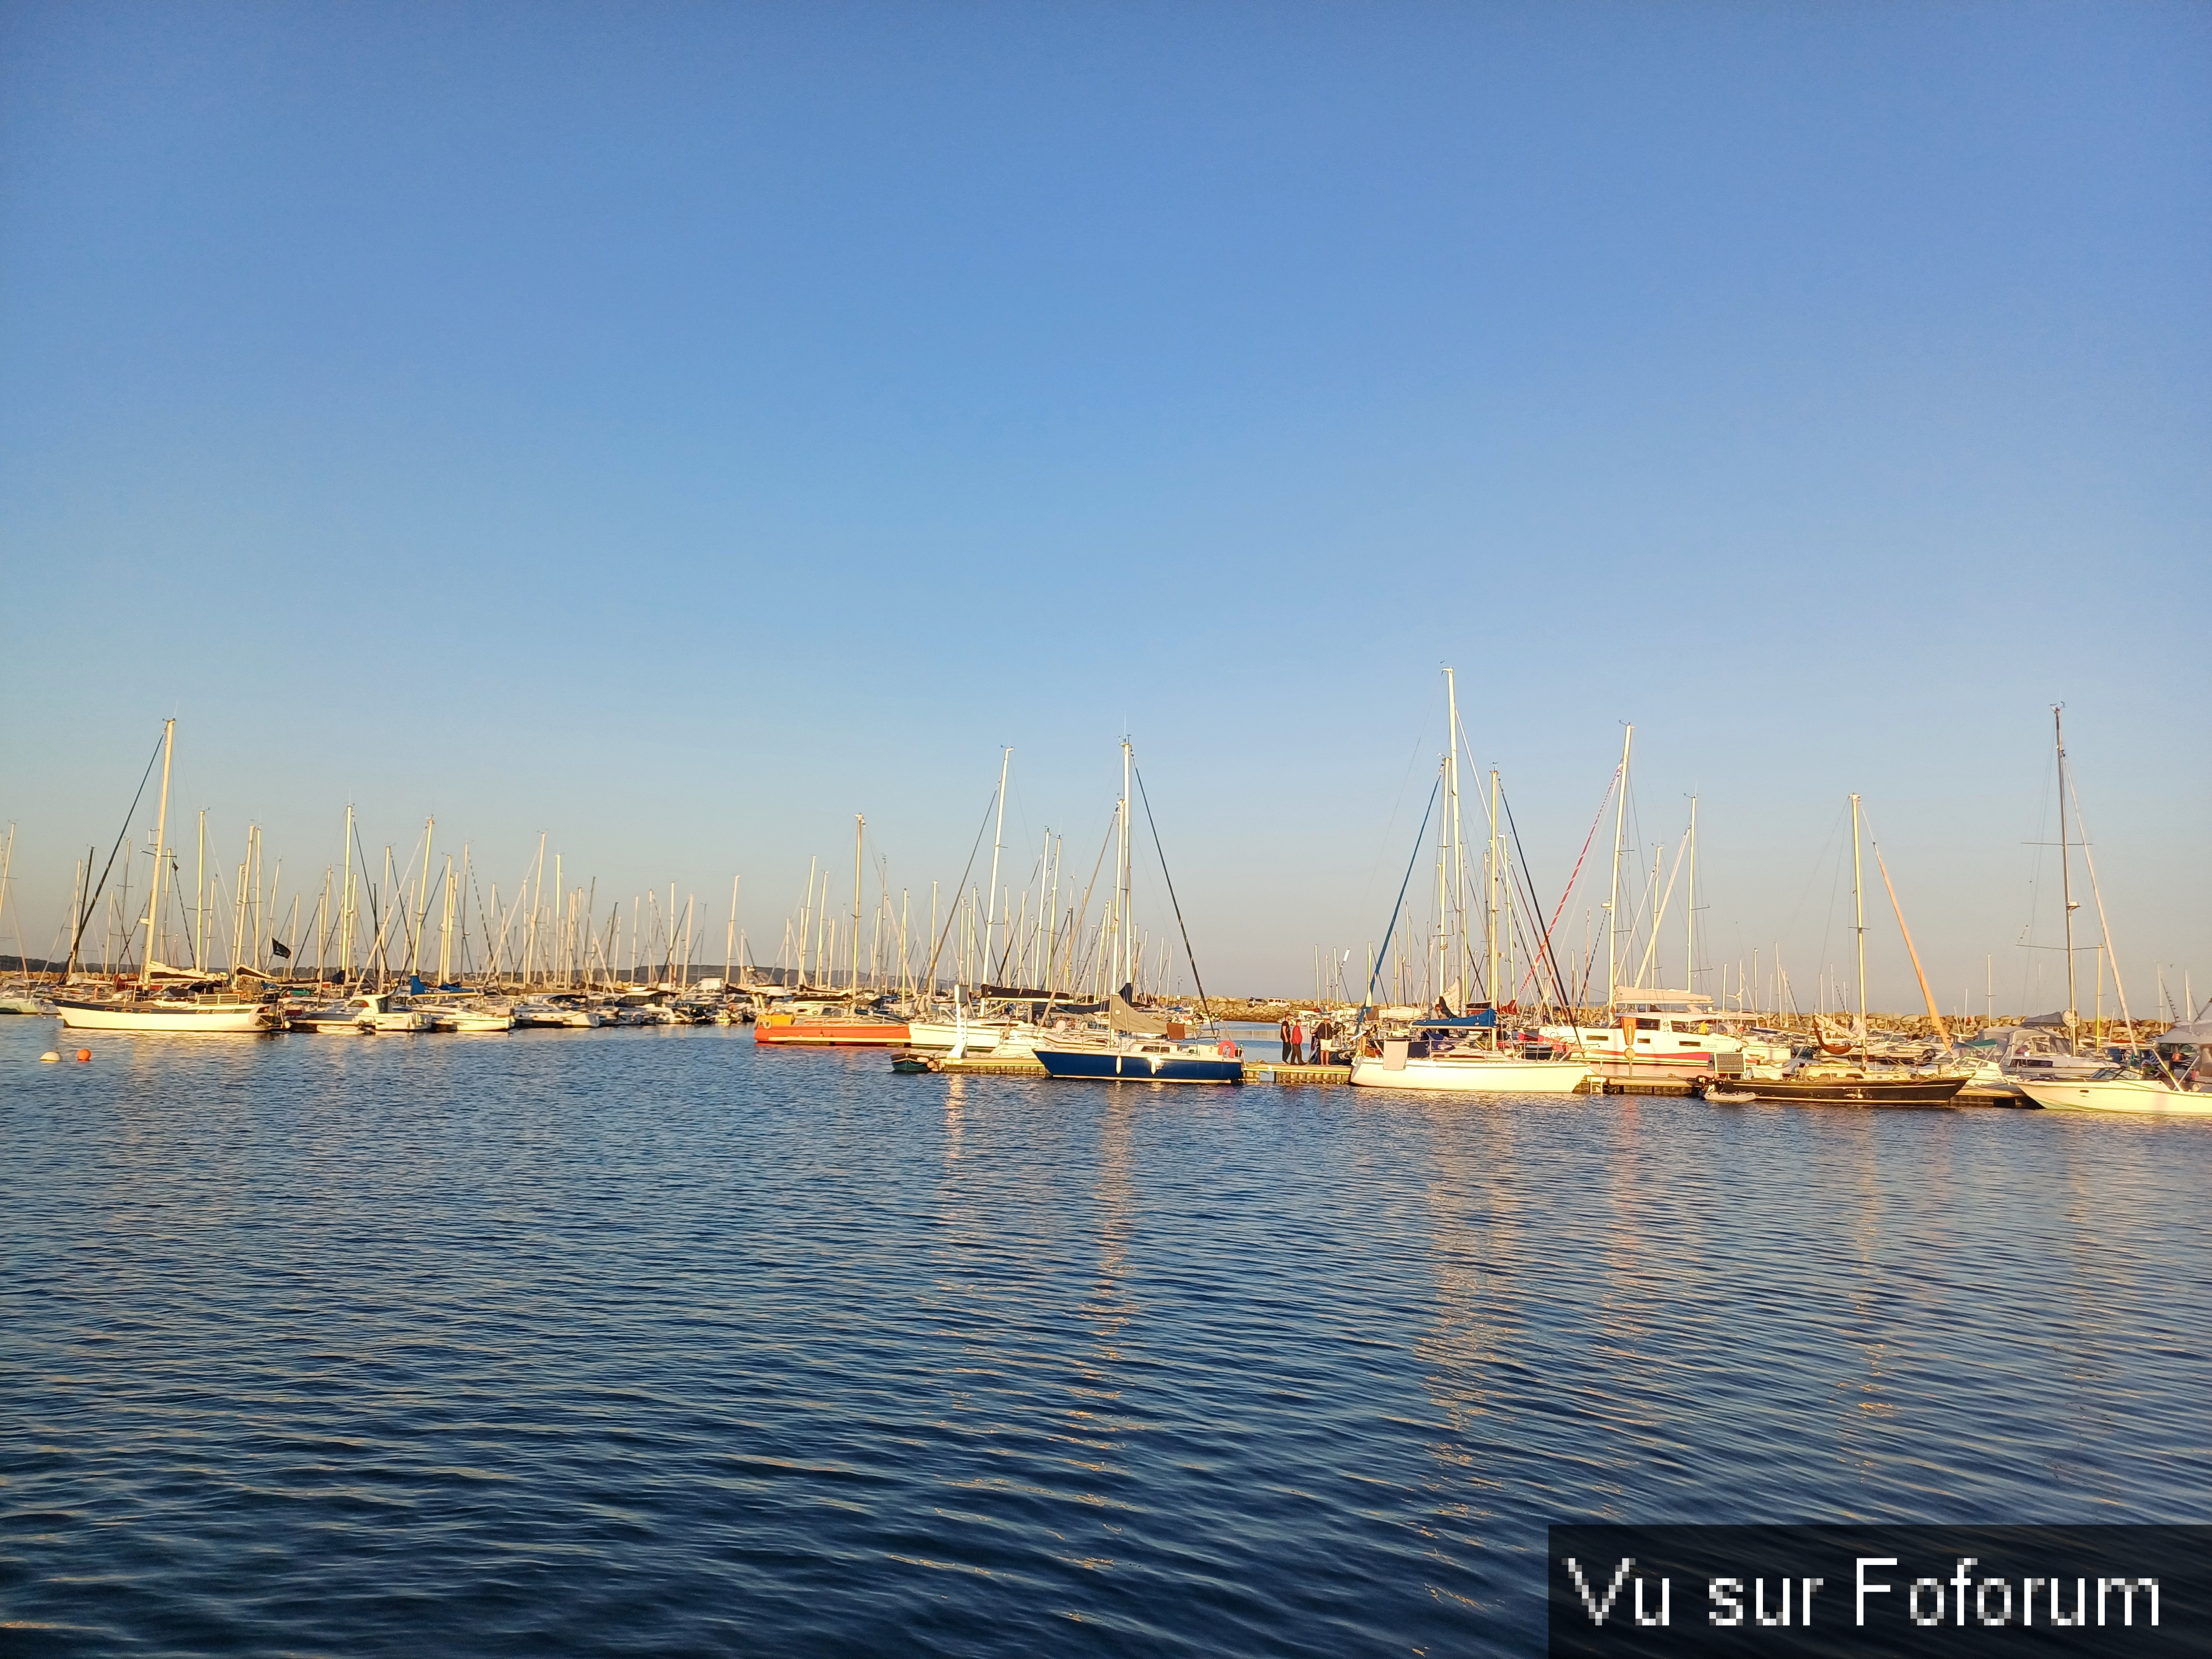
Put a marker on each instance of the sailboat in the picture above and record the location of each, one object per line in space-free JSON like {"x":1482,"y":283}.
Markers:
{"x":834,"y":1021}
{"x":1138,"y":1047}
{"x":2176,"y":1079}
{"x":166,"y":998}
{"x":1853,"y":1081}
{"x":1442,"y":1051}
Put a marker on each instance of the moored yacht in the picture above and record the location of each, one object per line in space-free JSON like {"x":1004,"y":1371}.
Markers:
{"x":828,"y":1025}
{"x":1458,"y":1055}
{"x":185,"y":1006}
{"x":1140,"y":1058}
{"x":1665,"y":1034}
{"x":2177,"y":1081}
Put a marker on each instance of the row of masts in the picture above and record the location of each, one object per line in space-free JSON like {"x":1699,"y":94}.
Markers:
{"x":429,"y":918}
{"x":1046,"y":942}
{"x":1042,"y":939}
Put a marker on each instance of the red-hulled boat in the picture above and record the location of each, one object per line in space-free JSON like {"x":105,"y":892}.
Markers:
{"x":797,"y":1030}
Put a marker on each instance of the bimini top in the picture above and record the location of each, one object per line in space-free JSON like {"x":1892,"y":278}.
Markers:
{"x":1661,"y":1002}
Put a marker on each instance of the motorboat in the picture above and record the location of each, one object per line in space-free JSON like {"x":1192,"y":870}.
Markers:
{"x":2120,"y":1092}
{"x":370,"y":1011}
{"x":2176,"y":1082}
{"x":466,"y":1016}
{"x":1667,"y":1034}
{"x":23,"y":1000}
{"x":549,"y":1012}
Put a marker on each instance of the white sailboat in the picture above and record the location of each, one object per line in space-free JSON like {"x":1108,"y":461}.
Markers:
{"x":167,"y":999}
{"x":1449,"y":1059}
{"x":1444,"y":1052}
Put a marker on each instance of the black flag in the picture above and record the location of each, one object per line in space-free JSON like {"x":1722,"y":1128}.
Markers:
{"x":280,"y":948}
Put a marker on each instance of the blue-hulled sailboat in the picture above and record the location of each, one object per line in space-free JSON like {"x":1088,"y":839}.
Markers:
{"x":1140,"y":1047}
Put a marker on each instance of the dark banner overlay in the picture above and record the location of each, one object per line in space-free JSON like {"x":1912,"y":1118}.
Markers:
{"x":1839,"y":1590}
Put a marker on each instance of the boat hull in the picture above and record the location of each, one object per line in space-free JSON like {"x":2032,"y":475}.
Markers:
{"x":212,"y":1019}
{"x":781,"y":1031}
{"x":2120,"y":1094}
{"x":941,"y":1036}
{"x":1119,"y":1066}
{"x":470,"y":1023}
{"x":1912,"y":1092}
{"x":1472,"y":1076}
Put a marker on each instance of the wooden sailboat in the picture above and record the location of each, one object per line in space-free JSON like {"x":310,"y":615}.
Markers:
{"x":1853,"y":1081}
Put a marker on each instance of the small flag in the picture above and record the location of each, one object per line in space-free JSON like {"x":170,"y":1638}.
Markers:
{"x":280,"y":948}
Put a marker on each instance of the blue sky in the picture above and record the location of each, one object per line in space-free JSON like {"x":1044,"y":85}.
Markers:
{"x":677,"y":428}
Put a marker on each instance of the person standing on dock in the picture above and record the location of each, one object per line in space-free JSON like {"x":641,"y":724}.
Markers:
{"x":1298,"y":1041}
{"x":1284,"y":1030}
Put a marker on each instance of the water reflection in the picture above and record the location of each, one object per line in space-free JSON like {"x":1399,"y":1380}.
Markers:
{"x":395,"y":1345}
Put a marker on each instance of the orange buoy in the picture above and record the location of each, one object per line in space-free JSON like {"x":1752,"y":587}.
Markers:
{"x":84,"y":1054}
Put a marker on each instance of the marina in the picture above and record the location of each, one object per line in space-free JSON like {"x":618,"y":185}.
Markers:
{"x":1086,"y":1016}
{"x":1148,"y":833}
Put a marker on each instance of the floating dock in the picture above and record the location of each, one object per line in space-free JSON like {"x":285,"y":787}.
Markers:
{"x":1271,"y":1072}
{"x":1670,"y":1088}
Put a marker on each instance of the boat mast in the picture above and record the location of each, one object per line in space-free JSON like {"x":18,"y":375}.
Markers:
{"x":2065,"y":869}
{"x":1495,"y":1000}
{"x":345,"y":906}
{"x":998,"y":841}
{"x":446,"y":928}
{"x":1690,"y":913}
{"x":1458,"y":835}
{"x":1444,"y":912}
{"x":1612,"y":903}
{"x":1121,"y":924}
{"x":730,"y":935}
{"x":806,"y":924}
{"x":199,"y":897}
{"x":859,"y":829}
{"x":161,"y":837}
{"x":1858,"y":920}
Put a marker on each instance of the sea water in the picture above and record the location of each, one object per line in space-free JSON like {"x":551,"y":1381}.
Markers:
{"x":647,"y":1342}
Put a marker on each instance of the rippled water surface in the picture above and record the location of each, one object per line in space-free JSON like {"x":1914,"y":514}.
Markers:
{"x":599,"y":1342}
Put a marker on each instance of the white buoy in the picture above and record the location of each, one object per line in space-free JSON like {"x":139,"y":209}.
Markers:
{"x":49,"y":1058}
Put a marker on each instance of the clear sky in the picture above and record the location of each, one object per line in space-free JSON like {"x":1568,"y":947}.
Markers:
{"x":678,"y":428}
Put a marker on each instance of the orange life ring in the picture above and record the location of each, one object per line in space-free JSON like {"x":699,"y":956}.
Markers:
{"x":1225,"y":1048}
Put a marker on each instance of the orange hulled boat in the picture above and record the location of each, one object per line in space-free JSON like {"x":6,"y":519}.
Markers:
{"x":828,"y":1027}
